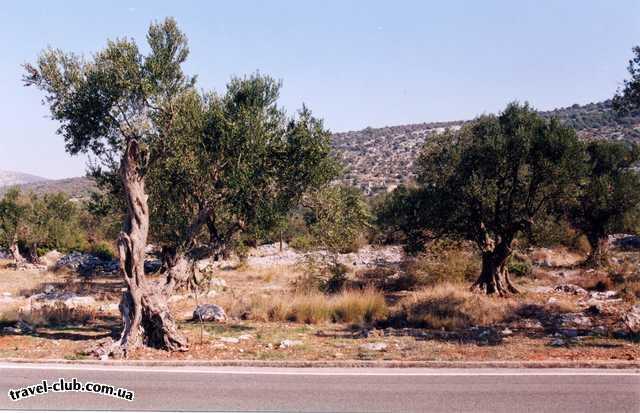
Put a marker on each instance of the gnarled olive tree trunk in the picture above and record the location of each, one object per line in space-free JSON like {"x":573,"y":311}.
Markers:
{"x":144,"y":309}
{"x":599,"y":256}
{"x":494,"y":276}
{"x":15,"y":253}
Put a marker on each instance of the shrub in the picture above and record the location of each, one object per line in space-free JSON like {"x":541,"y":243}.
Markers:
{"x":324,"y":274}
{"x":386,"y":279}
{"x":520,"y":265}
{"x":450,"y":307}
{"x":102,"y":250}
{"x":444,"y":263}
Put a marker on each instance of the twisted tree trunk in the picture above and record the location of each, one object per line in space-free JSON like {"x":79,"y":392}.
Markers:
{"x":144,"y":309}
{"x":599,"y":256}
{"x":494,"y":276}
{"x":15,"y":253}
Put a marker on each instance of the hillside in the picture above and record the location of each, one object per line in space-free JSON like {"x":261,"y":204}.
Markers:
{"x":379,"y":159}
{"x":79,"y":187}
{"x":8,"y":178}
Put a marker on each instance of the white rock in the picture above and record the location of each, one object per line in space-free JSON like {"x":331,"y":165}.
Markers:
{"x":230,"y":340}
{"x":290,"y":343}
{"x":632,"y":319}
{"x":374,"y":346}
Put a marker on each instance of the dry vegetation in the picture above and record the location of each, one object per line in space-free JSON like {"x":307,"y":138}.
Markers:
{"x":421,"y":309}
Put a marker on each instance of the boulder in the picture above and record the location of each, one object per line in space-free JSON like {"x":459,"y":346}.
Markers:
{"x":152,"y":266}
{"x":87,"y":264}
{"x":290,"y":343}
{"x":603,"y":295}
{"x":66,"y":299}
{"x":374,"y":346}
{"x":574,"y":320}
{"x":570,"y":289}
{"x":209,"y":312}
{"x":632,"y":319}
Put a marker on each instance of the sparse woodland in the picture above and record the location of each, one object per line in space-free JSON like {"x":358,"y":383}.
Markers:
{"x":509,"y":222}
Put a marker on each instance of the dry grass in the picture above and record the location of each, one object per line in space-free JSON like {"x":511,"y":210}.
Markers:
{"x":59,"y":315}
{"x":446,"y":265}
{"x":451,"y":307}
{"x":350,"y":306}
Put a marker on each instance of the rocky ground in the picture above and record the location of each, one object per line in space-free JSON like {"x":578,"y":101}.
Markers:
{"x":563,"y":314}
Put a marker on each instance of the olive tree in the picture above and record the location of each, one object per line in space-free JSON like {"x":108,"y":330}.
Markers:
{"x":232,"y":163}
{"x":609,"y":195}
{"x":14,"y":218}
{"x":118,"y":106}
{"x":492,"y":179}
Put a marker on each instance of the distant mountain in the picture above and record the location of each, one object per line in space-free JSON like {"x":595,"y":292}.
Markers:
{"x":8,"y":178}
{"x":78,"y":188}
{"x":379,"y":159}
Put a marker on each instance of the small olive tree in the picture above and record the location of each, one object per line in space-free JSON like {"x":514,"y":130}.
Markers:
{"x":609,"y":195}
{"x":14,"y":221}
{"x":491,"y":180}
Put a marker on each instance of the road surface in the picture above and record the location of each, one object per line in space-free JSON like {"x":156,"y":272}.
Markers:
{"x":331,"y":389}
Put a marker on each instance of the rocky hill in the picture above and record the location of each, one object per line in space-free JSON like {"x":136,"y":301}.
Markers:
{"x":77,"y":188}
{"x":379,"y":159}
{"x":8,"y":178}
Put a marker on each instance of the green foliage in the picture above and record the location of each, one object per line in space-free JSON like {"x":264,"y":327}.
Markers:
{"x":238,"y":163}
{"x":628,"y":99}
{"x":520,"y":265}
{"x":610,"y":190}
{"x":337,"y":218}
{"x":46,"y":222}
{"x":399,"y":218}
{"x":102,"y":250}
{"x":497,"y":175}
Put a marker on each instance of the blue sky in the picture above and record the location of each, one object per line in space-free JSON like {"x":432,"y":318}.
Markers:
{"x":354,"y":63}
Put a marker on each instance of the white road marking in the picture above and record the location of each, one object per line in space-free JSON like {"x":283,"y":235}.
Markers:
{"x":315,"y":372}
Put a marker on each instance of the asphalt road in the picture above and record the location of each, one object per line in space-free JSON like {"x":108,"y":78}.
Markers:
{"x":331,"y":390}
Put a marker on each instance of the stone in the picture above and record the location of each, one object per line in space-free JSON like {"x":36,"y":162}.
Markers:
{"x":603,"y":295}
{"x":24,"y":327}
{"x":64,"y":298}
{"x":570,"y":289}
{"x":558,"y":342}
{"x":632,"y":319}
{"x":290,"y":343}
{"x":109,"y":307}
{"x":245,"y":337}
{"x":87,"y":264}
{"x":574,"y":320}
{"x":506,"y":332}
{"x":568,"y":332}
{"x":374,"y":346}
{"x":594,"y":309}
{"x":217,"y":284}
{"x":152,"y":266}
{"x":230,"y":340}
{"x":542,"y":290}
{"x":210,"y":312}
